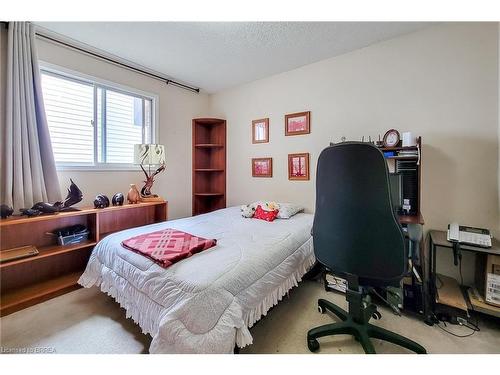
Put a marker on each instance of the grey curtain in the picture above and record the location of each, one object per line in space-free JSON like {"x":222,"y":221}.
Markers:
{"x":28,"y":172}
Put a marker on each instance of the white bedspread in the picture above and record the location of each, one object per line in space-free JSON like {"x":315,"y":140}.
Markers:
{"x":205,"y":303}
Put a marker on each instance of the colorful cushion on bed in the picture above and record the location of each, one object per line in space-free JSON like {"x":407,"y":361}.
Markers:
{"x":168,"y":246}
{"x":260,"y":213}
{"x":285,"y":210}
{"x":248,"y":210}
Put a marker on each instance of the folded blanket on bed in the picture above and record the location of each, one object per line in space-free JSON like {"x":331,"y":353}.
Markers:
{"x":168,"y":246}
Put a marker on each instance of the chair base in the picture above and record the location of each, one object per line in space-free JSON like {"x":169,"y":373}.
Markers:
{"x":362,"y":332}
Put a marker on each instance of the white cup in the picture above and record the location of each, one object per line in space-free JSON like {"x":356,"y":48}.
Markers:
{"x":409,"y":139}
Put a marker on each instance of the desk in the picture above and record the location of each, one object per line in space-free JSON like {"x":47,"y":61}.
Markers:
{"x":438,"y":239}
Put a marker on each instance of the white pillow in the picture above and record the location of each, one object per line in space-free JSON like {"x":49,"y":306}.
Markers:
{"x":287,"y":210}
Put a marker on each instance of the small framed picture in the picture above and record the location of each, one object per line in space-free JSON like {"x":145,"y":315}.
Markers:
{"x":298,"y":166}
{"x":260,"y":131}
{"x":262,"y":167}
{"x":298,"y":123}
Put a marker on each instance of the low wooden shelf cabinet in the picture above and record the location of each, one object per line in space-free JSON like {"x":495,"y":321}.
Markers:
{"x":56,"y":269}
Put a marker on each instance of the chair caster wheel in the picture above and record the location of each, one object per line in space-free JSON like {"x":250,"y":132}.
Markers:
{"x":313,"y":345}
{"x":321,"y":309}
{"x":376,"y":315}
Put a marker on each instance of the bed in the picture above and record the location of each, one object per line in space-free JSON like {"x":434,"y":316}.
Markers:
{"x":208,"y":302}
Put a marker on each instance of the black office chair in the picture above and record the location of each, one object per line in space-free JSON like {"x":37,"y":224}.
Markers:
{"x":357,"y":236}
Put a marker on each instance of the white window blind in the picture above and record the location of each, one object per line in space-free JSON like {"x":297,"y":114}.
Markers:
{"x":124,"y":126}
{"x":74,"y":106}
{"x":69,"y":106}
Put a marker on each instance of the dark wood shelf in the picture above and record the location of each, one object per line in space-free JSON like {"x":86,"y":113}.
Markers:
{"x":13,"y":220}
{"x":209,"y":145}
{"x":400,"y":148}
{"x":51,"y":250}
{"x":21,"y":298}
{"x":209,"y":121}
{"x":208,"y":194}
{"x":55,"y":269}
{"x":400,"y":157}
{"x":411,"y":219}
{"x":129,"y":206}
{"x":209,"y":165}
{"x":16,"y":220}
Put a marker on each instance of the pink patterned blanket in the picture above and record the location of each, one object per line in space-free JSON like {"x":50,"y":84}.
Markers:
{"x":168,"y":246}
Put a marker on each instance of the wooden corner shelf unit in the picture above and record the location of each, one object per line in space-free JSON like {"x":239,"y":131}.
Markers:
{"x":56,"y":269}
{"x":209,"y":165}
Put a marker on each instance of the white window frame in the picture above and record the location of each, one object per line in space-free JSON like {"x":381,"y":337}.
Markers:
{"x":66,"y":73}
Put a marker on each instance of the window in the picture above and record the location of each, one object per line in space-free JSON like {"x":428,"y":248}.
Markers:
{"x":93,"y":124}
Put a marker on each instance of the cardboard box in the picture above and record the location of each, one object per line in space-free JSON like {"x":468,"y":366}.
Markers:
{"x":492,"y":287}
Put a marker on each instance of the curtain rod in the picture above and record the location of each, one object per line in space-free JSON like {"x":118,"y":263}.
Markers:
{"x":168,"y":81}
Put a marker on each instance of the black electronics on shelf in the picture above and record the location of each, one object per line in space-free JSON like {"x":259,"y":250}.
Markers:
{"x":408,"y":169}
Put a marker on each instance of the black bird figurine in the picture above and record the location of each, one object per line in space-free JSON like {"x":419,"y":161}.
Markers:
{"x":5,"y":211}
{"x":47,"y":208}
{"x":74,"y":196}
{"x":29,"y":212}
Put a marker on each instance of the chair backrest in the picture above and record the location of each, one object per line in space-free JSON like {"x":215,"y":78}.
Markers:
{"x":355,"y":230}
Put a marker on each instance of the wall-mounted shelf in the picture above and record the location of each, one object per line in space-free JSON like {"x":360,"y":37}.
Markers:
{"x":209,"y":165}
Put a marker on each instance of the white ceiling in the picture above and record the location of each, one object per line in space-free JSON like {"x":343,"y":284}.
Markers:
{"x":218,"y":55}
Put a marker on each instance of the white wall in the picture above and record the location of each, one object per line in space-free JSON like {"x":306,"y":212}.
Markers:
{"x":176,"y":109}
{"x":440,"y":83}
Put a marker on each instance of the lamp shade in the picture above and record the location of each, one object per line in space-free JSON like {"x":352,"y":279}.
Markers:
{"x":149,"y":154}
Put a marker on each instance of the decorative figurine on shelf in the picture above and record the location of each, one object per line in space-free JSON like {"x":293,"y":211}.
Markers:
{"x":5,"y":211}
{"x":150,"y":155}
{"x":30,"y":212}
{"x":74,"y":196}
{"x":101,"y":201}
{"x":133,"y":195}
{"x":117,"y":199}
{"x":47,"y":208}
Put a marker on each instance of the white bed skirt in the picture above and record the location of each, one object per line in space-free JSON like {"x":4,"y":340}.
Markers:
{"x":169,"y":333}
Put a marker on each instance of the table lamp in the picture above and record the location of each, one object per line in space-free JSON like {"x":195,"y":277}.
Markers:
{"x":150,"y":155}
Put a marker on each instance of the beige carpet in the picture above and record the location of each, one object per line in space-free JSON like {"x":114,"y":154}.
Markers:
{"x":88,"y":321}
